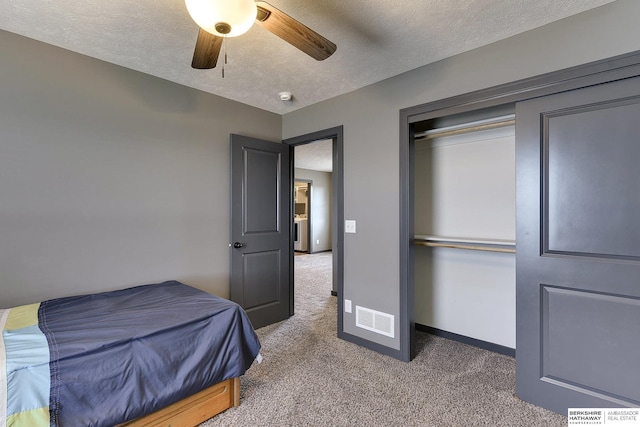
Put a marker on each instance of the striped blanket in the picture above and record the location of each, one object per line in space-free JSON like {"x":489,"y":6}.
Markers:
{"x":24,"y":368}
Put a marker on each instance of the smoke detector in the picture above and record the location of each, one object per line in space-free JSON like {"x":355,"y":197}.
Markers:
{"x":285,"y":96}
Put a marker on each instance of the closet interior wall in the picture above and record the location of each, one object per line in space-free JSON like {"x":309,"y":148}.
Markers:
{"x":464,"y":224}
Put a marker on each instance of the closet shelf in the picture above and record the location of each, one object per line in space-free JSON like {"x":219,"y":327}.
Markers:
{"x":489,"y":245}
{"x":492,"y":123}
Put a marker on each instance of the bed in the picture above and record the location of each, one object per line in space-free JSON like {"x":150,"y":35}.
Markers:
{"x":161,"y":354}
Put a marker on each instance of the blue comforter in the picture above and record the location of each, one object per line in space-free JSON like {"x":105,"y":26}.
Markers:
{"x":102,"y":359}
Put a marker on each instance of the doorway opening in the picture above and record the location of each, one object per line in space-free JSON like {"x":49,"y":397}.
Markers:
{"x":317,"y":205}
{"x":312,"y":195}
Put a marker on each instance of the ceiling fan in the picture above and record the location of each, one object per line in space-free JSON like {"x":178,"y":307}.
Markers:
{"x":218,"y":19}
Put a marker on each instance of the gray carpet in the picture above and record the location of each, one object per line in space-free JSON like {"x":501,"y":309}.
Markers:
{"x":311,"y":378}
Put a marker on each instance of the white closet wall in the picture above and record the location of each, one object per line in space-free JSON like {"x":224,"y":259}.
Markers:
{"x":465,"y":190}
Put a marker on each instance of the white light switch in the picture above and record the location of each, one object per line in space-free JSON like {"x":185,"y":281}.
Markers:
{"x":349,"y":225}
{"x":347,"y":306}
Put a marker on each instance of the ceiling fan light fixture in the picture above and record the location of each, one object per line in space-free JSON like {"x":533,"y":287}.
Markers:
{"x":233,"y":16}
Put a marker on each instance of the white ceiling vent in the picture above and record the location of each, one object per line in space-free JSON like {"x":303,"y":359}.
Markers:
{"x":375,"y":321}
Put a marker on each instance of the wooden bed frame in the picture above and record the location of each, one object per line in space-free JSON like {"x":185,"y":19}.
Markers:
{"x":195,"y":409}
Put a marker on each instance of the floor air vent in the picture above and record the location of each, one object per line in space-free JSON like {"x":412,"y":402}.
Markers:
{"x":375,"y":321}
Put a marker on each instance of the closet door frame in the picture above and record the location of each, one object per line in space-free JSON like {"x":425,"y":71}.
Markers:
{"x":608,"y":70}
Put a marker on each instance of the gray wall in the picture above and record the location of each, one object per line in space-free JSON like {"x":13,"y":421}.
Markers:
{"x":109,"y":177}
{"x":320,"y":208}
{"x":371,"y":126}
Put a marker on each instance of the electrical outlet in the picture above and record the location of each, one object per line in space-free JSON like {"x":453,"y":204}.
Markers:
{"x":318,"y":242}
{"x":347,"y":306}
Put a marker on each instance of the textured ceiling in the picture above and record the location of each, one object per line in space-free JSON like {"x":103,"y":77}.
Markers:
{"x":376,"y":39}
{"x":317,"y":156}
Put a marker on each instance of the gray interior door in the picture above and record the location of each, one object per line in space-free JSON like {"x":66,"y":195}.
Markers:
{"x":261,"y":278}
{"x":578,"y":248}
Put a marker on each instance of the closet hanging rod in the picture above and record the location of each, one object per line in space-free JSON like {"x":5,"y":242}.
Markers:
{"x":492,"y":123}
{"x":488,"y":245}
{"x":468,"y":247}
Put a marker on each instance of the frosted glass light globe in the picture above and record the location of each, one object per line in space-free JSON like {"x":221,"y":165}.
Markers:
{"x":239,"y":15}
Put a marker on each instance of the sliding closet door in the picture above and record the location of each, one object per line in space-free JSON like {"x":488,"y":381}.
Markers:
{"x":578,"y":248}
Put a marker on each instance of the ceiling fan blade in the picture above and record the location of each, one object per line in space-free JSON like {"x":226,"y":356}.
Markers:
{"x":294,"y":32}
{"x":207,"y":50}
